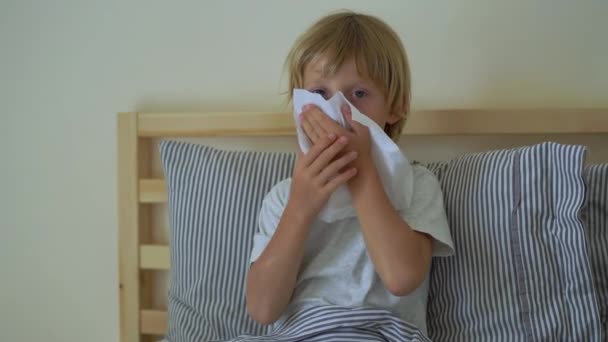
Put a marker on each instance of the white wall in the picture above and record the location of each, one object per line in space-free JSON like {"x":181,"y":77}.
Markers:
{"x":66,"y":68}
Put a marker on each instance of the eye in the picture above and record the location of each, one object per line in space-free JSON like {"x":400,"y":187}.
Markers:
{"x":360,"y":94}
{"x":320,"y":92}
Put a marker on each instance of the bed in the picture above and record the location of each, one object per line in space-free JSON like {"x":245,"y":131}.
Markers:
{"x":145,"y":253}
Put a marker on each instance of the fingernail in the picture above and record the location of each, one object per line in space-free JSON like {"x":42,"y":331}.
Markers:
{"x":346,"y":108}
{"x":343,"y":140}
{"x":332,"y":136}
{"x":307,"y":106}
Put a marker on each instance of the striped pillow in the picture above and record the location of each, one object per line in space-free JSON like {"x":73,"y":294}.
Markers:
{"x":214,"y":199}
{"x":521,"y":269}
{"x":597,"y":228}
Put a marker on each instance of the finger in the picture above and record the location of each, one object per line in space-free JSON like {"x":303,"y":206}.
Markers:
{"x":328,"y":155}
{"x":318,"y":148}
{"x":333,"y":169}
{"x":348,"y":115}
{"x":309,"y":131}
{"x":339,"y":180}
{"x":313,"y":112}
{"x":346,"y":112}
{"x":358,"y":127}
{"x":318,"y":115}
{"x":327,"y":124}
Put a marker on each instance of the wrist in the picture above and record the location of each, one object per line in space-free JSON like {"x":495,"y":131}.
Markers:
{"x":297,"y":215}
{"x":365,"y":186}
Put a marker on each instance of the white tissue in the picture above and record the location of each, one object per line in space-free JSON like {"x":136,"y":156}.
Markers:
{"x":393,"y":167}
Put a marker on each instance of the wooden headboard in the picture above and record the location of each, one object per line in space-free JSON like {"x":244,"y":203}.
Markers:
{"x":140,"y":192}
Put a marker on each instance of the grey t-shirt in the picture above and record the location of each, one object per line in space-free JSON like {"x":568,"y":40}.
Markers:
{"x":336,"y":268}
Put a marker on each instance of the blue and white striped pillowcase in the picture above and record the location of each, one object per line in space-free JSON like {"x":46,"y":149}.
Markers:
{"x":553,"y":239}
{"x":214,"y":199}
{"x":596,"y":216}
{"x":195,"y":325}
{"x":521,"y":268}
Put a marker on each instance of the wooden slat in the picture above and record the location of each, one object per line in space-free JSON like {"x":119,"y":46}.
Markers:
{"x":154,"y":257}
{"x":152,"y":191}
{"x":431,"y":122}
{"x":153,"y":322}
{"x":128,"y":227}
{"x":522,"y":121}
{"x":215,"y":124}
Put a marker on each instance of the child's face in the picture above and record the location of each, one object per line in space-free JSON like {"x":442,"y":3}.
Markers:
{"x":361,"y":92}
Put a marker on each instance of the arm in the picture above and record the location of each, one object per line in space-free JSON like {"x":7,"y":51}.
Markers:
{"x":401,"y":256}
{"x":272,"y":278}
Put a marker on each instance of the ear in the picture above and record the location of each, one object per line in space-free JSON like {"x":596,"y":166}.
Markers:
{"x":397,"y":112}
{"x":393,"y":119}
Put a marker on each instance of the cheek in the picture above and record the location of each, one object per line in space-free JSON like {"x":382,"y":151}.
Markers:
{"x":374,"y":110}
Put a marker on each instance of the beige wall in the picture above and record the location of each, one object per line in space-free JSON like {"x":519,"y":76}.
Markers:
{"x":66,"y":68}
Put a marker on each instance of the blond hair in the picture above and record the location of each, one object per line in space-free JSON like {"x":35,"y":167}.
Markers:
{"x":375,"y":47}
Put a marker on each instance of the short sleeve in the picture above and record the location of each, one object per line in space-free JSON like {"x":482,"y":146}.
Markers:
{"x":426,"y":213}
{"x":269,"y":217}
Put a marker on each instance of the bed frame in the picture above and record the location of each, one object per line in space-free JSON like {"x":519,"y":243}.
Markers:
{"x":138,"y":191}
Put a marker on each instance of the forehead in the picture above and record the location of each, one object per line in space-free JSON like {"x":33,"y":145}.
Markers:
{"x":324,"y":66}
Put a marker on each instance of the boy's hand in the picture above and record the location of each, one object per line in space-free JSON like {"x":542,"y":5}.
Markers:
{"x":319,"y":173}
{"x":316,"y":125}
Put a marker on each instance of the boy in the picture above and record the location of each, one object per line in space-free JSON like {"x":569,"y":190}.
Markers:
{"x":380,"y":258}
